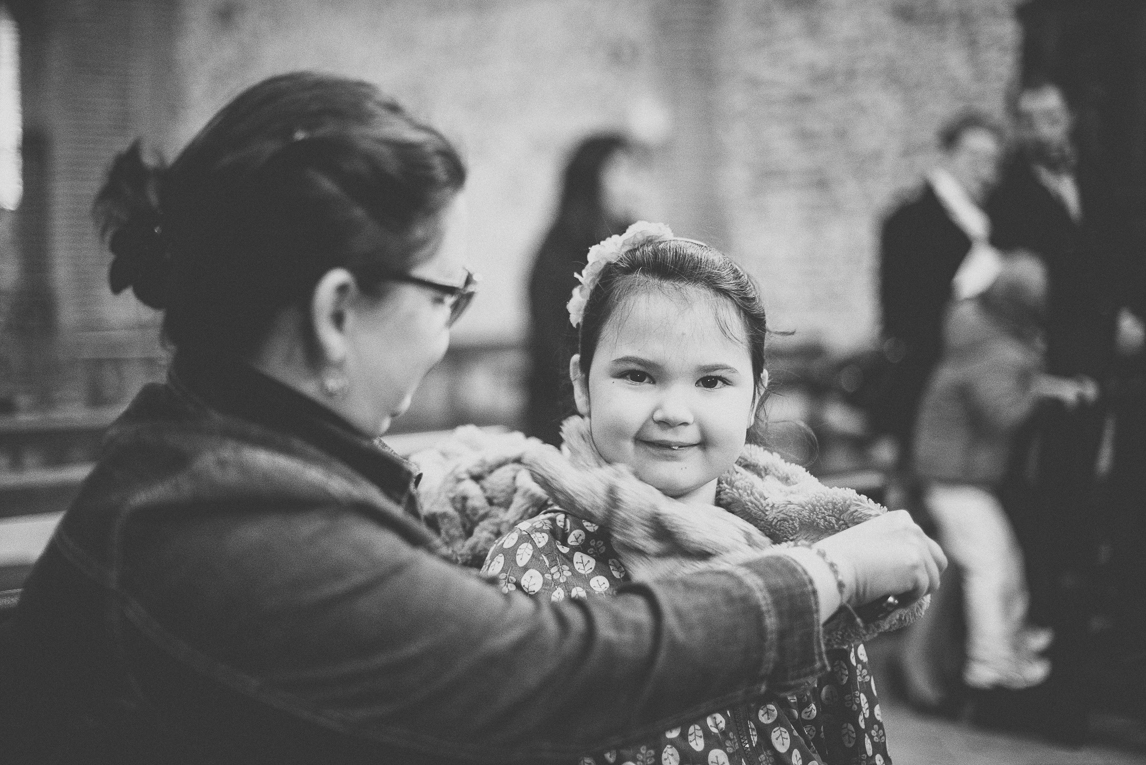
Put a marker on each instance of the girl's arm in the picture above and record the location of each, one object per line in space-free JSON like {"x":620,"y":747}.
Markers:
{"x":1002,"y":386}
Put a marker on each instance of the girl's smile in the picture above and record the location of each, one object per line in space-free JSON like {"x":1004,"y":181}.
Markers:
{"x":670,"y":445}
{"x":670,"y":392}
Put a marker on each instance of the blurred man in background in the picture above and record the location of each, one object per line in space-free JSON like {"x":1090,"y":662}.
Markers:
{"x":933,"y":247}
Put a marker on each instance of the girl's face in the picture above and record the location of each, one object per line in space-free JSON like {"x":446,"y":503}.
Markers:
{"x":669,"y":393}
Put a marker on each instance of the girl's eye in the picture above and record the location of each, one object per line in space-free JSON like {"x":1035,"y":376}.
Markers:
{"x":711,"y":382}
{"x":636,"y":376}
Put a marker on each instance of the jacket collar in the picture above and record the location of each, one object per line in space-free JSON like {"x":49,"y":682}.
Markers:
{"x":234,"y":388}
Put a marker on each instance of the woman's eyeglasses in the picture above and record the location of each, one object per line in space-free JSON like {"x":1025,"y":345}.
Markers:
{"x":459,"y":297}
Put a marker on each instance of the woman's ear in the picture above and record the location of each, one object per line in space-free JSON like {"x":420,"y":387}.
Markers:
{"x":330,"y":306}
{"x":580,"y":385}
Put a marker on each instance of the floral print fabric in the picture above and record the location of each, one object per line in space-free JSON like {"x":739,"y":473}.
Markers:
{"x":558,"y":555}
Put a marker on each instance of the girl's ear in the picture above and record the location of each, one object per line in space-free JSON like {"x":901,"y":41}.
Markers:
{"x":758,"y":398}
{"x":330,"y":306}
{"x":580,"y":385}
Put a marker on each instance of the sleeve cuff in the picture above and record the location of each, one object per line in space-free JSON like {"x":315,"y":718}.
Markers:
{"x":793,"y":637}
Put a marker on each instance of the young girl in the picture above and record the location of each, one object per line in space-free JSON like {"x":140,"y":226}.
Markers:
{"x":667,"y":382}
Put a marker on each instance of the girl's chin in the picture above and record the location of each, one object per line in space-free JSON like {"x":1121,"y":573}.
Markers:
{"x":688,"y":492}
{"x":403,"y":406}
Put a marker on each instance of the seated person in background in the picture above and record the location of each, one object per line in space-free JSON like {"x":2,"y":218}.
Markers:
{"x":987,"y":383}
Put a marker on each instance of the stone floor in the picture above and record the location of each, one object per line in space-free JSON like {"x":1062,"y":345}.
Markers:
{"x":919,"y":739}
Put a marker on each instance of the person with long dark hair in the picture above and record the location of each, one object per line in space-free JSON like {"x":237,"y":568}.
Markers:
{"x":587,"y":212}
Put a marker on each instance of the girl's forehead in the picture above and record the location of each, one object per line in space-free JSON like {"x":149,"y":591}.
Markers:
{"x":674,"y":318}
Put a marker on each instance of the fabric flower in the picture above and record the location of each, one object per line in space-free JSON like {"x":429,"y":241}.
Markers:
{"x":608,"y":251}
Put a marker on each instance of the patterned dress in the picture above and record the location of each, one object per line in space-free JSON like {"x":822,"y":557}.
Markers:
{"x":558,"y":555}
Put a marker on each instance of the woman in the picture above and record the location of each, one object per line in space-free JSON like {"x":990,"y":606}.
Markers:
{"x":245,"y":578}
{"x":596,"y":201}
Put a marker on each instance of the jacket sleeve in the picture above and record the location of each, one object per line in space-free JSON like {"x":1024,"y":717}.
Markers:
{"x":897,"y":243}
{"x":328,"y":621}
{"x":1000,"y":386}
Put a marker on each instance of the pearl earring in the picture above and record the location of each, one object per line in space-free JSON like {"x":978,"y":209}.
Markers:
{"x":335,"y":384}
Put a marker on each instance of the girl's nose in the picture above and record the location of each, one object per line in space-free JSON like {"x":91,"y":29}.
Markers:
{"x":672,"y":410}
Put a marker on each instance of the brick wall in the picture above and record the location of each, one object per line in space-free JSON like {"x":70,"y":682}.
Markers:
{"x":821,"y":111}
{"x":830,"y":109}
{"x":514,"y":82}
{"x":797,"y":122}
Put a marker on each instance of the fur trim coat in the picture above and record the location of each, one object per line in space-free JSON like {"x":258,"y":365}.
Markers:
{"x":476,"y":486}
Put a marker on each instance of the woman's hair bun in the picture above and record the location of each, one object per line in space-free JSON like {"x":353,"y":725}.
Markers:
{"x":139,"y":262}
{"x":127,"y":210}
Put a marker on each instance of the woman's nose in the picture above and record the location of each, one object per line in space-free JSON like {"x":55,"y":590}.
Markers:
{"x":672,"y":409}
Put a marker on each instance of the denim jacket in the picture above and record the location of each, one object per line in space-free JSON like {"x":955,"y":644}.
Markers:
{"x":243,"y":578}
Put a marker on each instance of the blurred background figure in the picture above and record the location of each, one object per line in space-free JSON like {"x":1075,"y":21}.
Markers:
{"x":601,"y":195}
{"x":1126,"y":669}
{"x":1061,"y":204}
{"x":933,"y":246}
{"x":986,"y":385}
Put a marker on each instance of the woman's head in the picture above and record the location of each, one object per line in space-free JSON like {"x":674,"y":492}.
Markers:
{"x":972,"y":145}
{"x":300,"y":174}
{"x":302,"y":230}
{"x":671,"y":364}
{"x":588,"y":199}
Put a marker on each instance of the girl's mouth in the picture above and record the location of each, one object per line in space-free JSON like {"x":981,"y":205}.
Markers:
{"x":674,"y":446}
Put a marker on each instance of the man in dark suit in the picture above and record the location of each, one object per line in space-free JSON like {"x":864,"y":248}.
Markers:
{"x":1059,"y":204}
{"x":923,"y":244}
{"x":933,"y":246}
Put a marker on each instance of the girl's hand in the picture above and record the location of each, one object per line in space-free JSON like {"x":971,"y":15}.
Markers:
{"x":1071,"y":391}
{"x":887,"y":555}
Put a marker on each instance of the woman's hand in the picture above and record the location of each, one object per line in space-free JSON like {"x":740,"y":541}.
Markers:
{"x":887,"y":555}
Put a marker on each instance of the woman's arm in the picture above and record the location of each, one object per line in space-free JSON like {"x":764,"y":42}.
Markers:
{"x":330,"y":621}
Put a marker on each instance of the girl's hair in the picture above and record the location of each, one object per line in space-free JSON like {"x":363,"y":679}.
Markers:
{"x":297,"y":175}
{"x":683,"y":263}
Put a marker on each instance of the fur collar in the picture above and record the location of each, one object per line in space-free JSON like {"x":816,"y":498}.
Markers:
{"x":477,"y":486}
{"x":782,"y":500}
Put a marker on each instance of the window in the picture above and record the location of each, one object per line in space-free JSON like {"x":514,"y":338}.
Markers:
{"x":10,"y":183}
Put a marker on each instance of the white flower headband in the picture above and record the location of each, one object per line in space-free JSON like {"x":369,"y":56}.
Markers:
{"x":609,"y":251}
